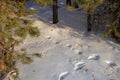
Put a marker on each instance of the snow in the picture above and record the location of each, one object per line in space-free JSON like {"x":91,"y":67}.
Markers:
{"x":93,"y":57}
{"x":60,"y":45}
{"x":79,"y":52}
{"x":63,"y":75}
{"x":68,"y":45}
{"x":110,"y":63}
{"x":11,"y":75}
{"x":79,"y":65}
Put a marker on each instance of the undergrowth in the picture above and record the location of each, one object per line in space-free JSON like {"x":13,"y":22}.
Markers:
{"x":14,"y":28}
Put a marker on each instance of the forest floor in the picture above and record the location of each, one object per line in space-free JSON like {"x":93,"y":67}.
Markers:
{"x":68,"y":51}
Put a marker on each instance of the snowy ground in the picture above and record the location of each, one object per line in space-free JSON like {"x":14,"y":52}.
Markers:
{"x":65,"y":46}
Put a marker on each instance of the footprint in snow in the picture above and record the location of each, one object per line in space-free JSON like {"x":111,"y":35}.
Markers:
{"x":110,"y":63}
{"x":63,"y":75}
{"x":93,"y":57}
{"x":79,"y":65}
{"x":79,"y":52}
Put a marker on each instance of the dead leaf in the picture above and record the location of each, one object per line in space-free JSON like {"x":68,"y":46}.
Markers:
{"x":2,"y":65}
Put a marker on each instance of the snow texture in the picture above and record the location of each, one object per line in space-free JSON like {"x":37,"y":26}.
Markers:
{"x":79,"y":65}
{"x":63,"y":75}
{"x":57,"y":57}
{"x":93,"y":57}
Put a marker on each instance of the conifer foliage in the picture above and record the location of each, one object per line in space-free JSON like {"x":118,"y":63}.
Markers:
{"x":111,"y":8}
{"x":14,"y":27}
{"x":114,"y":26}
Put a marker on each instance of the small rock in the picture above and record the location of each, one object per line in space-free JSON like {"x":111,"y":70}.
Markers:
{"x":85,"y":70}
{"x":79,"y":65}
{"x":63,"y":75}
{"x":93,"y":57}
{"x":48,"y":37}
{"x":68,"y":45}
{"x":110,"y":63}
{"x":32,"y":8}
{"x":78,"y":52}
{"x":57,"y":42}
{"x":51,"y":30}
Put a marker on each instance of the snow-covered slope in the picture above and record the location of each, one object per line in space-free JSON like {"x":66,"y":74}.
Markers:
{"x":63,"y":46}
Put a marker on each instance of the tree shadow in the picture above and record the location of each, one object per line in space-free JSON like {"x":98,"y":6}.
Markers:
{"x":75,"y":19}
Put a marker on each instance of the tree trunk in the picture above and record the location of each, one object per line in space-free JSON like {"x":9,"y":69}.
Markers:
{"x":89,"y":24}
{"x":55,"y":12}
{"x":76,"y":4}
{"x":68,"y":2}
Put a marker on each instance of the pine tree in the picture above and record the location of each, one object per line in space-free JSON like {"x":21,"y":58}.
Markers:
{"x":114,"y":26}
{"x":90,"y":6}
{"x":54,"y":6}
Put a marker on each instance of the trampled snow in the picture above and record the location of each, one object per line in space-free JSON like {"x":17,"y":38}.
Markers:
{"x":59,"y":44}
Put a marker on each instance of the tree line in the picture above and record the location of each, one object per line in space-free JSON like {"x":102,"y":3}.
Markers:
{"x":110,"y":8}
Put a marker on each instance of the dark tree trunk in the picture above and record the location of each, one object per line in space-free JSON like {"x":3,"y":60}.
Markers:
{"x":55,"y":12}
{"x":75,"y":4}
{"x":89,"y":24}
{"x":68,"y":2}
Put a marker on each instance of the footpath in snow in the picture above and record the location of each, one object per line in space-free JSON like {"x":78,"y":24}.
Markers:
{"x":68,"y":54}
